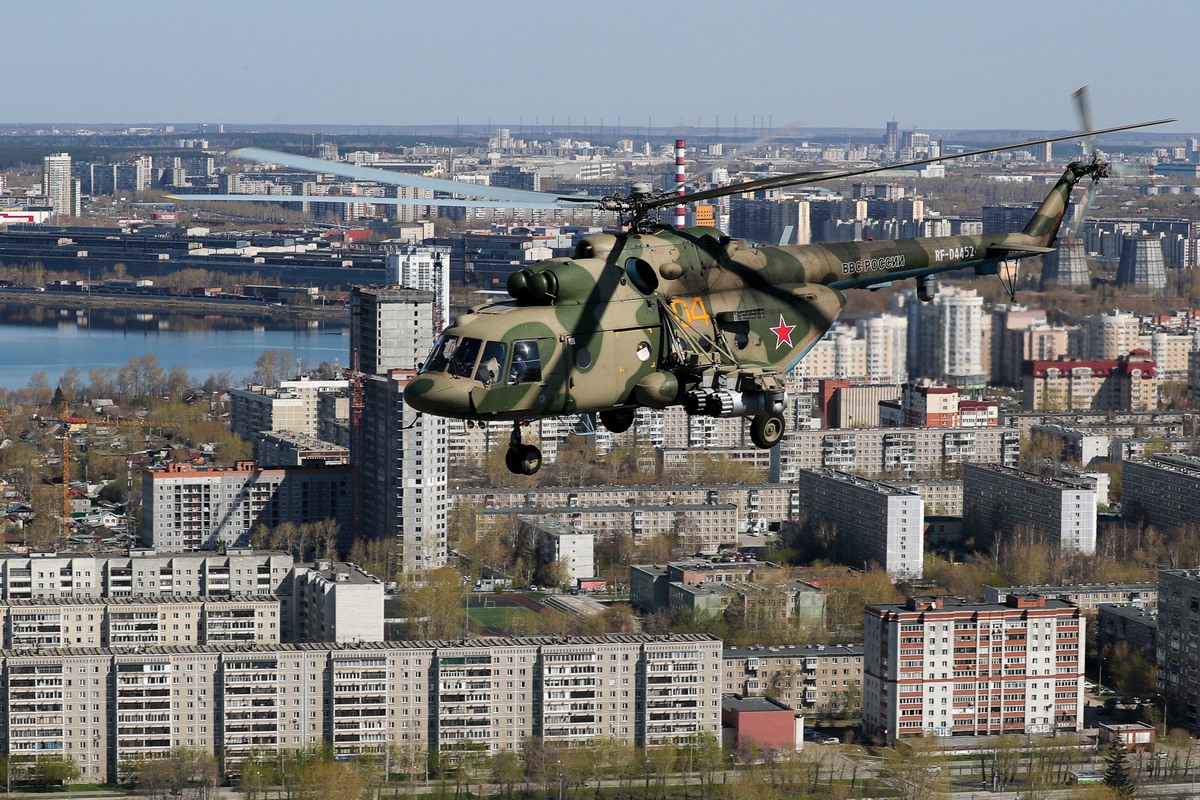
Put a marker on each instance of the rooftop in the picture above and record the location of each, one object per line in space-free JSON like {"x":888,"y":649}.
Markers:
{"x":792,"y":651}
{"x":742,"y":704}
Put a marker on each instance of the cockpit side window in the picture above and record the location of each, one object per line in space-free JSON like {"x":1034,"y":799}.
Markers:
{"x":526,"y":364}
{"x":490,"y":363}
{"x":443,"y":351}
{"x":462,"y":363}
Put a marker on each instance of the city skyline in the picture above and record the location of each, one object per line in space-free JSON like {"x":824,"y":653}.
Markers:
{"x":662,"y":66}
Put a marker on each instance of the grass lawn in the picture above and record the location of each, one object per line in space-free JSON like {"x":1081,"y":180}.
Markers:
{"x":510,"y":620}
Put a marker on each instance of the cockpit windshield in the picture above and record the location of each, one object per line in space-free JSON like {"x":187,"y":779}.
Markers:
{"x":463,"y":361}
{"x":490,"y":363}
{"x":443,"y":351}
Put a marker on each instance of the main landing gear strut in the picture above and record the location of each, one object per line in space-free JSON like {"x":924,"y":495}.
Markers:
{"x":521,"y":459}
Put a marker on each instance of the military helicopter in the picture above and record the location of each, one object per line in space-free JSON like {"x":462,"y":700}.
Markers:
{"x":655,"y":316}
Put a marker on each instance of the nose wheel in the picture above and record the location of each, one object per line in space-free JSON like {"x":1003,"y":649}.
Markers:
{"x":766,"y":430}
{"x":521,"y":459}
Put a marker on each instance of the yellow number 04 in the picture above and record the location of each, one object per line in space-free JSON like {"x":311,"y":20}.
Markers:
{"x":695,"y":313}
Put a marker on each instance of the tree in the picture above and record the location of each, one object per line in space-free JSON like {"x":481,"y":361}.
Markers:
{"x":436,"y":609}
{"x":274,"y":366}
{"x":38,"y":389}
{"x":1118,"y":775}
{"x":916,"y":768}
{"x":507,"y":769}
{"x":187,"y":773}
{"x":52,"y":771}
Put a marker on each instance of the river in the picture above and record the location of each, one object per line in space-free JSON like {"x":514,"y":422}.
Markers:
{"x":52,"y":340}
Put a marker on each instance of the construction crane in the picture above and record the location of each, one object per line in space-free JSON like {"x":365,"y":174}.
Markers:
{"x":72,"y":425}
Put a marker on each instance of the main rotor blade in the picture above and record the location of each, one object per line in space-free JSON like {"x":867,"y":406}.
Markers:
{"x":307,"y":164}
{"x":799,"y":178}
{"x":439,"y":202}
{"x":1083,"y":111}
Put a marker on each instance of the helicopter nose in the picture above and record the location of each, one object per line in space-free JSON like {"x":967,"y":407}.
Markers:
{"x":439,"y":397}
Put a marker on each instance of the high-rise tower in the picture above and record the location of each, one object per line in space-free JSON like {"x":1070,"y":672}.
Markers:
{"x":58,"y":185}
{"x":398,"y":456}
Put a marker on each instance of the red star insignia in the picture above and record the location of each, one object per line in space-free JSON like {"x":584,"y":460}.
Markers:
{"x":783,"y":334}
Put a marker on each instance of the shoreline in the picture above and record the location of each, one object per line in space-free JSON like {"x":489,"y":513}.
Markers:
{"x":174,"y":303}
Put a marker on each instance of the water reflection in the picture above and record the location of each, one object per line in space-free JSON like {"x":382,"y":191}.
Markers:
{"x":52,"y":340}
{"x":141,"y":320}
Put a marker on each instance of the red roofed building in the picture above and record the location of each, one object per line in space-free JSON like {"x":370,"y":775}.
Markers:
{"x":1129,"y":383}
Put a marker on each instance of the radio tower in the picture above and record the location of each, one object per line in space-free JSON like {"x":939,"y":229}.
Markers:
{"x":680,"y":177}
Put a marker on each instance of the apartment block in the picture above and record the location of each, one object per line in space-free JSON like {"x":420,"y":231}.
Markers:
{"x":950,"y":668}
{"x":1134,"y":624}
{"x":1179,"y":645}
{"x":816,"y":679}
{"x":757,"y":504}
{"x":1162,"y":490}
{"x":131,"y":622}
{"x":704,"y":528}
{"x":322,"y":602}
{"x":1129,"y":383}
{"x":191,"y":508}
{"x":905,"y":452}
{"x":1088,"y":596}
{"x":553,"y":541}
{"x":144,"y":573}
{"x":998,"y":500}
{"x":336,"y":602}
{"x":291,"y":406}
{"x":923,"y":405}
{"x":401,"y":468}
{"x":875,"y":522}
{"x":650,"y":584}
{"x":946,"y":338}
{"x":288,"y":449}
{"x":105,"y":709}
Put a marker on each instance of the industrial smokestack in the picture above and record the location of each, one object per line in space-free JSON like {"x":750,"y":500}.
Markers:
{"x":680,"y":177}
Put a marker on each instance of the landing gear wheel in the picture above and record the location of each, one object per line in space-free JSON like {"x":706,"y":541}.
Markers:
{"x":766,"y":430}
{"x":618,"y":420}
{"x":527,"y":459}
{"x":521,"y":459}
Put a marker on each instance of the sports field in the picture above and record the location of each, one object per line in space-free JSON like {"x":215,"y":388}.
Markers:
{"x":501,"y":615}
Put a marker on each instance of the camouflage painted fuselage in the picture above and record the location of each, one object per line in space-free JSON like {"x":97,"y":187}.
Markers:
{"x":641,"y":319}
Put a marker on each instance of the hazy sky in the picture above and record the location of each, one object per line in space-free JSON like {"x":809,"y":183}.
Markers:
{"x":932,"y":65}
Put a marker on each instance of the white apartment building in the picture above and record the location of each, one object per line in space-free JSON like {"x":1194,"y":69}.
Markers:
{"x":59,"y":187}
{"x":188,"y":508}
{"x":104,"y":708}
{"x":424,"y":268}
{"x":1109,"y":336}
{"x":336,"y":602}
{"x":124,"y":622}
{"x":935,"y":666}
{"x":946,"y":338}
{"x":144,"y":573}
{"x":998,"y":500}
{"x":558,"y":542}
{"x":895,"y":451}
{"x":322,"y":602}
{"x":876,"y":523}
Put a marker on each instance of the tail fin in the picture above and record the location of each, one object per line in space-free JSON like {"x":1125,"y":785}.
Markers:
{"x":1048,"y":219}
